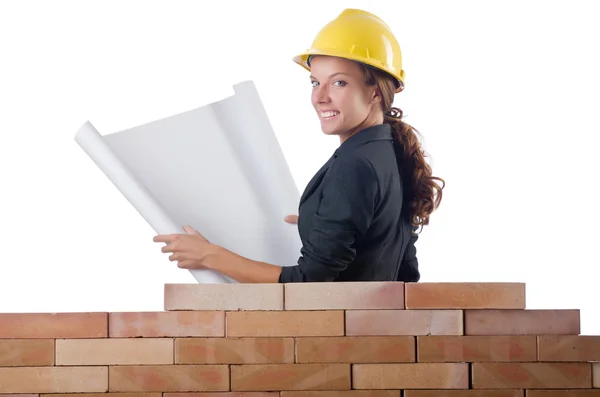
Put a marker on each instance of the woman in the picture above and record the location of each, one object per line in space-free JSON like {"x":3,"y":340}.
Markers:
{"x":359,"y":214}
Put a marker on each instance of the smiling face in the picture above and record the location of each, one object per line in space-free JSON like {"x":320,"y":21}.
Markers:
{"x":344,"y":103}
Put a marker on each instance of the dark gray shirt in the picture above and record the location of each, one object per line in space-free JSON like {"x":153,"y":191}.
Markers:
{"x":351,"y":220}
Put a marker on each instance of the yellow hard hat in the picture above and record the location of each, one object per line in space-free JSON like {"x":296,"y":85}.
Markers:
{"x":359,"y":36}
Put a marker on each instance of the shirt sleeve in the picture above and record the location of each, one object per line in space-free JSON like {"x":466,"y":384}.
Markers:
{"x":409,"y":268}
{"x":348,"y":201}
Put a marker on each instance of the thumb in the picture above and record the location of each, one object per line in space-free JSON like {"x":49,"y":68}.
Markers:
{"x":190,"y":230}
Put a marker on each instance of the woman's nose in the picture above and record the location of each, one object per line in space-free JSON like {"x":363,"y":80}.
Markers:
{"x":322,"y":94}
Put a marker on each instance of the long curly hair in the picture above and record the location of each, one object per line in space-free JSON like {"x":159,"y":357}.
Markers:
{"x":422,"y":195}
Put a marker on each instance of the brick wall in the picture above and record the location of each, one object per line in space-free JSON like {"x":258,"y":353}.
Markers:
{"x":307,"y":340}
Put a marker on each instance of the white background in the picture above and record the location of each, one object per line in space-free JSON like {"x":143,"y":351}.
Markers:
{"x":506,"y":94}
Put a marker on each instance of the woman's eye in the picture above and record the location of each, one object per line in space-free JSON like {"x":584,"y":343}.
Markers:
{"x":340,"y":83}
{"x":314,"y":83}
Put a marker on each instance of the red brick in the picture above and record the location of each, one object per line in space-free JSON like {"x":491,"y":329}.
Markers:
{"x":169,"y":378}
{"x":564,"y":393}
{"x":404,"y":322}
{"x":285,"y":323}
{"x":465,"y":393}
{"x":19,"y":395}
{"x":522,"y":322}
{"x":53,"y":379}
{"x":26,"y":352}
{"x":341,"y":393}
{"x":347,"y":295}
{"x":224,"y":394}
{"x":355,"y":349}
{"x":290,"y":377}
{"x":103,"y":395}
{"x":568,"y":348}
{"x":234,"y":296}
{"x":114,"y":351}
{"x":531,"y":375}
{"x":465,"y":295}
{"x":166,"y":324}
{"x":234,"y":350}
{"x":53,"y":325}
{"x":411,"y":376}
{"x":476,"y":348}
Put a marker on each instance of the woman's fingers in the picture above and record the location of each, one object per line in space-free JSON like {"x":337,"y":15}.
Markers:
{"x":293,"y":219}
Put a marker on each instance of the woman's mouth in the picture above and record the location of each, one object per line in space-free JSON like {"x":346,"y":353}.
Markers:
{"x":328,"y":115}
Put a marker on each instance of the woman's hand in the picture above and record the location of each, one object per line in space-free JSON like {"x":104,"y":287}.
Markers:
{"x":189,"y":250}
{"x":193,"y":251}
{"x":293,"y":219}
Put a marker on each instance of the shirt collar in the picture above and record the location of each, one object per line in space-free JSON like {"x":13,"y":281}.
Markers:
{"x":375,"y":133}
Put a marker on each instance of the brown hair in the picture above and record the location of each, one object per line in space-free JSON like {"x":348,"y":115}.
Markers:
{"x":422,"y":193}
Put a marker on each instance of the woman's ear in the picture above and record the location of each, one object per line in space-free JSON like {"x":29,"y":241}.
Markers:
{"x":376,"y":97}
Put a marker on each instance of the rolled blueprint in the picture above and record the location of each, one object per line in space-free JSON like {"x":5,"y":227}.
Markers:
{"x":92,"y":143}
{"x":217,"y":168}
{"x":251,"y":136}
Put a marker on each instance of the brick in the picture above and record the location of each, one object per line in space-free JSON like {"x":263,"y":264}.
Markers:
{"x":341,"y":393}
{"x":141,"y":394}
{"x":26,"y":352}
{"x":223,"y":394}
{"x":114,"y":351}
{"x":166,"y":324}
{"x":53,"y":379}
{"x":564,"y":393}
{"x":234,"y":296}
{"x":104,"y":395}
{"x":476,"y":348}
{"x":234,"y":350}
{"x":522,"y":322}
{"x":531,"y":375}
{"x":285,"y":323}
{"x":347,"y":295}
{"x":19,"y":395}
{"x":355,"y":349}
{"x":290,"y":377}
{"x":465,"y":295}
{"x":568,"y":348}
{"x":411,"y":376}
{"x":596,"y":375}
{"x":404,"y":322}
{"x":53,"y":325}
{"x":465,"y":393}
{"x":169,"y":378}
